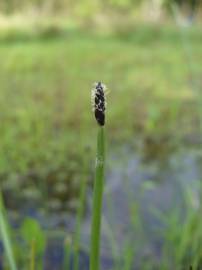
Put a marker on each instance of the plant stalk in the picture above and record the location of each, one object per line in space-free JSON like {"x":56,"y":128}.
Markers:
{"x":5,"y":236}
{"x":97,"y":201}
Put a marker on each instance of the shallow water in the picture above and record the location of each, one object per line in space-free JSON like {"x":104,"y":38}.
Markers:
{"x":138,"y":190}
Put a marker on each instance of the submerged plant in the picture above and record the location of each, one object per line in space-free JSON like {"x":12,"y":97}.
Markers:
{"x":99,"y":105}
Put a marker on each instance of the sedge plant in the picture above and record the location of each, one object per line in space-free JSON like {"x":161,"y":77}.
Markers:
{"x":4,"y":230}
{"x":99,"y":105}
{"x":80,"y":213}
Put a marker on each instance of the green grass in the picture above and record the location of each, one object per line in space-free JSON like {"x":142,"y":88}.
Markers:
{"x":45,"y":84}
{"x":4,"y":232}
{"x":45,"y":107}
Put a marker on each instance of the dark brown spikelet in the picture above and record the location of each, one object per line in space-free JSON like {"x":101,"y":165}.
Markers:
{"x":99,"y":102}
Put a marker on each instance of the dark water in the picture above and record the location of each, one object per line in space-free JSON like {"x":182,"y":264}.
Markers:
{"x":138,"y":188}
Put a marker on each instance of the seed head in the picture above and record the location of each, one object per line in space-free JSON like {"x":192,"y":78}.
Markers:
{"x":99,"y":102}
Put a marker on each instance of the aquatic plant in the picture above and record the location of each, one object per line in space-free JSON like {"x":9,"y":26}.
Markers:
{"x":99,"y":105}
{"x":5,"y":235}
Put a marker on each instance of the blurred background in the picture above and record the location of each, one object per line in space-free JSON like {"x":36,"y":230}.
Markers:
{"x":149,"y":54}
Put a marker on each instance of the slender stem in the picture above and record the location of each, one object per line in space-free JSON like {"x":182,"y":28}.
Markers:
{"x":67,"y":254}
{"x":97,"y":201}
{"x":78,"y":224}
{"x":5,"y":235}
{"x":32,"y":255}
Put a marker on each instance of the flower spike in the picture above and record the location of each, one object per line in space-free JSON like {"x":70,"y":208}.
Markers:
{"x":99,"y":102}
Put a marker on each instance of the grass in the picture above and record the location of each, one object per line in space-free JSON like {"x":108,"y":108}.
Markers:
{"x":97,"y":201}
{"x":80,"y":214}
{"x":6,"y":237}
{"x":42,"y":80}
{"x":45,"y":107}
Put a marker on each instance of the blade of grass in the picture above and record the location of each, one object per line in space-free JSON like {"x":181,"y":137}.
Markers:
{"x":78,"y":224}
{"x":97,"y":201}
{"x":32,"y":255}
{"x":67,"y":253}
{"x":5,"y":236}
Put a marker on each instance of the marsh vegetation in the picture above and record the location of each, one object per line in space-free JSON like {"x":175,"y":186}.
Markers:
{"x":152,"y":198}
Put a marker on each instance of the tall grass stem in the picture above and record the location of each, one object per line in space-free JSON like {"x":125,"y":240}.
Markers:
{"x":5,"y":236}
{"x":32,"y":255}
{"x":78,"y":223}
{"x":97,"y":201}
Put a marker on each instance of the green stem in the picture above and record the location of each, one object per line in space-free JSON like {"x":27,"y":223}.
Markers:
{"x":5,"y":236}
{"x":97,"y":201}
{"x":67,"y":250}
{"x":32,"y":255}
{"x":78,"y":224}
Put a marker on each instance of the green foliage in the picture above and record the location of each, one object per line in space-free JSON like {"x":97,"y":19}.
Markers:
{"x":182,"y":240}
{"x":40,"y":86}
{"x":86,"y":9}
{"x":34,"y":241}
{"x":124,"y":4}
{"x":44,"y":101}
{"x":31,"y":231}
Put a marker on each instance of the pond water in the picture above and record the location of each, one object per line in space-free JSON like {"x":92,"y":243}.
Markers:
{"x":138,"y":190}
